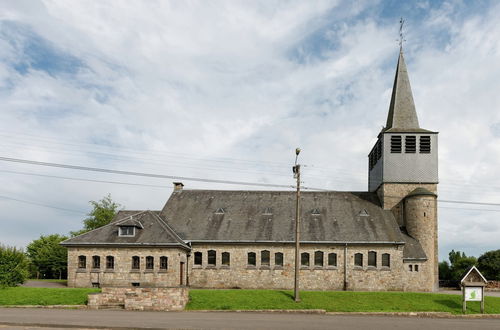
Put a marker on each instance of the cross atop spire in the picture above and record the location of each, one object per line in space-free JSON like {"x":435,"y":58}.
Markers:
{"x":401,"y":35}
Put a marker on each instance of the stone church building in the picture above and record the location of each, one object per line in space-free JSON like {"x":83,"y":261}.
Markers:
{"x":382,"y":239}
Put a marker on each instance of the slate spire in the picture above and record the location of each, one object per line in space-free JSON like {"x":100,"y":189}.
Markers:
{"x":402,"y":113}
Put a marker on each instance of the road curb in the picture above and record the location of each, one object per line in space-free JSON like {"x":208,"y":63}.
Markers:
{"x":47,"y":306}
{"x":418,"y":314}
{"x":282,"y":311}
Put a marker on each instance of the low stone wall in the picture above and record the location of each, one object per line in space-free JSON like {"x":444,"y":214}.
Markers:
{"x":140,"y":298}
{"x":493,"y":285}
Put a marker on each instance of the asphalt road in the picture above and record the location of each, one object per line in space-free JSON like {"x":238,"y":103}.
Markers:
{"x":15,"y":318}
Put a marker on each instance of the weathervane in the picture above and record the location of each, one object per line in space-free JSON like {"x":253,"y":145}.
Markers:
{"x":401,"y":36}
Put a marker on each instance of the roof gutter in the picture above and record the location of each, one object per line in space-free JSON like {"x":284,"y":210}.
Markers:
{"x":184,"y":246}
{"x":302,"y":242}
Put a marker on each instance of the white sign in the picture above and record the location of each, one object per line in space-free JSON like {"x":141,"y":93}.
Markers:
{"x":473,"y":294}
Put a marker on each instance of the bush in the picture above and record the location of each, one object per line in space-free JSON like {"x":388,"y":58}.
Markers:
{"x":13,"y":266}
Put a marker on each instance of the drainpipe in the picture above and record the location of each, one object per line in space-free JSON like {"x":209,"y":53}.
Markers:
{"x":345,"y":267}
{"x":188,"y":254}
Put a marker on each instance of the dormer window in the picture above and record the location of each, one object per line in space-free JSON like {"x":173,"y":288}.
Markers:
{"x":127,"y":231}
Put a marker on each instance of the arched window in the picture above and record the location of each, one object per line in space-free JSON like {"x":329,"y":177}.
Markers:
{"x":332,"y":259}
{"x":372,"y":259}
{"x":251,"y":259}
{"x":96,"y":262}
{"x":136,"y":262}
{"x":304,"y":259}
{"x":318,"y":259}
{"x":163,"y":263}
{"x":386,"y":260}
{"x":198,"y":257}
{"x":278,"y":259}
{"x":212,"y":257}
{"x":82,"y":262}
{"x":110,"y":262}
{"x":265,"y":257}
{"x":150,"y":262}
{"x":358,"y":260}
{"x":226,"y":259}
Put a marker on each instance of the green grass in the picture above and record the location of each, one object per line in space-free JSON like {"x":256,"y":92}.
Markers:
{"x":336,"y":301}
{"x":44,"y":296}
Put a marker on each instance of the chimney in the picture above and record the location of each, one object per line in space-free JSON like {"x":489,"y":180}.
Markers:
{"x":178,"y":186}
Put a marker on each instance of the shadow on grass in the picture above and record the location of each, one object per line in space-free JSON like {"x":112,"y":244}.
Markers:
{"x":286,"y":294}
{"x":449,"y":303}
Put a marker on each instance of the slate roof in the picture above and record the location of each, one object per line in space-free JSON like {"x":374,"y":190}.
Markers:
{"x":246,"y":218}
{"x":402,"y":113}
{"x":155,"y":232}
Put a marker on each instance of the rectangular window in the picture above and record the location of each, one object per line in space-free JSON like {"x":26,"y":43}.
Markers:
{"x":318,"y":259}
{"x":396,"y":144}
{"x":110,"y":262}
{"x":136,"y":262}
{"x":96,"y":262}
{"x":163,"y":263}
{"x":304,"y":259}
{"x":332,"y":259}
{"x":372,"y":259}
{"x":226,"y":259}
{"x":127,"y":231}
{"x":251,"y":259}
{"x":386,"y":260}
{"x":410,"y":144}
{"x":278,"y":259}
{"x":82,"y":262}
{"x":198,"y":257}
{"x":358,"y":260}
{"x":265,"y":257}
{"x":150,"y":262}
{"x":212,"y":257}
{"x":416,"y":268}
{"x":425,"y":144}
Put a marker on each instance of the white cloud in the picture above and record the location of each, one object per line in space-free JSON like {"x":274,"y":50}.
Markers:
{"x":191,"y":88}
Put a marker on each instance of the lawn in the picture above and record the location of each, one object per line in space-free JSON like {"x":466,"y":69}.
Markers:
{"x":44,"y":296}
{"x":336,"y":301}
{"x":50,"y":280}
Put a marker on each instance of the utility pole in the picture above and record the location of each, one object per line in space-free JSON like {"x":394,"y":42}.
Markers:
{"x":296,"y":172}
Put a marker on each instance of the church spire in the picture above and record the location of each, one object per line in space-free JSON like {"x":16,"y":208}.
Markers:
{"x":402,"y":113}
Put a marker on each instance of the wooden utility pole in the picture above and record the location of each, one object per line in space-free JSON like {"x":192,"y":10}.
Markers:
{"x":296,"y":171}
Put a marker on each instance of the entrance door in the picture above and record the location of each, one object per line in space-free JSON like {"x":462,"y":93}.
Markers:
{"x":181,"y":282}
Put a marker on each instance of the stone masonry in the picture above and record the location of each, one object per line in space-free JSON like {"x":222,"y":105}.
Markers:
{"x":239,"y":275}
{"x":122,"y":274}
{"x":132,"y":298}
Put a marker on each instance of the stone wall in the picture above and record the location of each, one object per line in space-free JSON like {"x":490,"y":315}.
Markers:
{"x":239,"y":275}
{"x":123,"y":274}
{"x":133,"y":298}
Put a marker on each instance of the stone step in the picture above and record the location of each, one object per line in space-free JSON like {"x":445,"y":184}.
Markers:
{"x":112,"y":306}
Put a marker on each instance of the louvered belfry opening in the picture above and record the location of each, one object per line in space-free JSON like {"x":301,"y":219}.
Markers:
{"x":396,"y":144}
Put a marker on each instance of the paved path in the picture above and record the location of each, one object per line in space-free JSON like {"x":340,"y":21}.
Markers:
{"x":16,"y":317}
{"x":44,"y":284}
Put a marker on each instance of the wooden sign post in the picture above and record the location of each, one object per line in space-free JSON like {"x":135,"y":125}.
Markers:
{"x":473,"y":284}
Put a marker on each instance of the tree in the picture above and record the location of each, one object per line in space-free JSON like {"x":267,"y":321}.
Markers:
{"x":102,"y":214}
{"x":48,"y":256}
{"x":444,"y":271}
{"x":459,"y":264}
{"x":489,"y":264}
{"x":13,"y":266}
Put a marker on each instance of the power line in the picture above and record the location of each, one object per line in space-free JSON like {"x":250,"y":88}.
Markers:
{"x":150,"y":175}
{"x":86,"y":180}
{"x":32,"y":162}
{"x":41,"y":204}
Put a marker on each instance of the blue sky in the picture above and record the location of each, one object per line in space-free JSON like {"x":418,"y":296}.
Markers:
{"x":228,"y":89}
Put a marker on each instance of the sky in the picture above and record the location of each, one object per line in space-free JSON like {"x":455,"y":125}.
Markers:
{"x":226,"y":90}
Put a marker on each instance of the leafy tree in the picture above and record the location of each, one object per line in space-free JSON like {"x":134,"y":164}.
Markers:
{"x":13,"y":266}
{"x":459,"y":264}
{"x":102,"y":214}
{"x":444,"y":271}
{"x":489,"y":264}
{"x":48,"y":256}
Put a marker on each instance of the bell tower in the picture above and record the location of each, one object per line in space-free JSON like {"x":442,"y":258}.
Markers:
{"x":403,"y":170}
